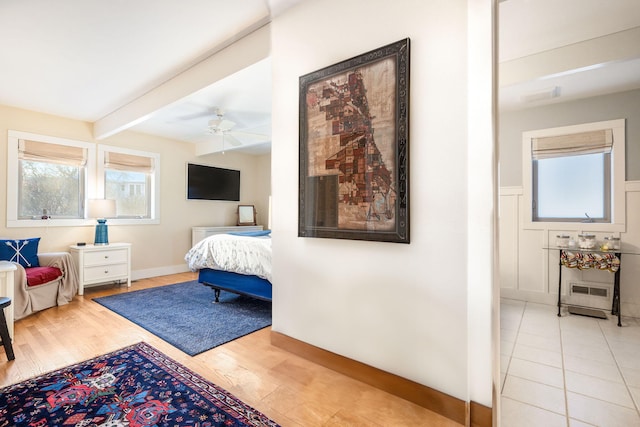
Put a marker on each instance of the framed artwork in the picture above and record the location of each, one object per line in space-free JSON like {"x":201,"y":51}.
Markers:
{"x":246,"y":215}
{"x":354,"y":148}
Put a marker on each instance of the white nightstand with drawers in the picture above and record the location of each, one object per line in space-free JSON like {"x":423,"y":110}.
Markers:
{"x":102,"y":264}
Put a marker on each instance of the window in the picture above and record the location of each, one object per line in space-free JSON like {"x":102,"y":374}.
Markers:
{"x":47,"y":179}
{"x":572,"y":177}
{"x":52,"y":178}
{"x":562,"y":194}
{"x":575,"y":174}
{"x":131,"y":178}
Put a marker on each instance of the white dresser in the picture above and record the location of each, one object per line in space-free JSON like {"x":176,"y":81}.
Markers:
{"x":199,"y":233}
{"x":102,"y":264}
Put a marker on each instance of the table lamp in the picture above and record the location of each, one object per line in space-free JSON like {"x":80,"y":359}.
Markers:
{"x":101,"y":209}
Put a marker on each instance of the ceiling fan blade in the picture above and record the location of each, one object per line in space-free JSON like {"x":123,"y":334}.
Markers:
{"x":251,"y":136}
{"x":200,"y":111}
{"x":194,"y":115}
{"x":226,"y":125}
{"x":231,"y":140}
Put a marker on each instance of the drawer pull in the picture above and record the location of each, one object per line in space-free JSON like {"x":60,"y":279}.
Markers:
{"x":106,"y":272}
{"x":106,"y":256}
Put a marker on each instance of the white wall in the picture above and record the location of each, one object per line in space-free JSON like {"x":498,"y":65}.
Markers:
{"x":156,"y":249}
{"x":401,"y":308}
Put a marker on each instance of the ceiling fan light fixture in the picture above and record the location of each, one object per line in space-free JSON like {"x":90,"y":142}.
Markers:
{"x":220,"y":124}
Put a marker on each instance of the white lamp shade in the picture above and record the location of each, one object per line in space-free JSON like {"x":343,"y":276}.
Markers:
{"x":102,"y":208}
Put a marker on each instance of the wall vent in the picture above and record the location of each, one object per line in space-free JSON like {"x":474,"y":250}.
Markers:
{"x":577,"y":289}
{"x":589,"y":290}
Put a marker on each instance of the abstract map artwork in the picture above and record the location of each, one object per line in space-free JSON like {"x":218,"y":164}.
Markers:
{"x":354,"y":147}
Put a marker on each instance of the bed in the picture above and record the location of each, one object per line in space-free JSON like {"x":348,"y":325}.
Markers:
{"x":234,"y":262}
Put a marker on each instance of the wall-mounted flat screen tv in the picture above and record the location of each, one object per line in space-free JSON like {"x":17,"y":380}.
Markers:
{"x":212,"y":183}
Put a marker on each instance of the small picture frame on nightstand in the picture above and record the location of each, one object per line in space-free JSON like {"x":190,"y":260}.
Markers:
{"x":246,"y":215}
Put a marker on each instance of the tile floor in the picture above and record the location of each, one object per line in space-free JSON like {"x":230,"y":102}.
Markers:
{"x":569,"y":371}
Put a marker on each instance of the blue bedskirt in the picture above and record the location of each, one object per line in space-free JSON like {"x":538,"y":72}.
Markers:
{"x":242,"y":284}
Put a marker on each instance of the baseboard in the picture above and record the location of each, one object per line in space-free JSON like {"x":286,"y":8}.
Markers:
{"x":160,"y":271}
{"x":480,"y":415}
{"x":434,"y":400}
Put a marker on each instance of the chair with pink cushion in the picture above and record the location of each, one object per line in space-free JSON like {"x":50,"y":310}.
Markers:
{"x":41,"y":280}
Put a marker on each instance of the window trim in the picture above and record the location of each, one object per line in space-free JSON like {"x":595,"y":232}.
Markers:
{"x":13,"y":179}
{"x":155,"y":184}
{"x":618,"y":212}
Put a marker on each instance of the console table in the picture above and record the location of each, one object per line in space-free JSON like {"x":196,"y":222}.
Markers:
{"x":596,"y":259}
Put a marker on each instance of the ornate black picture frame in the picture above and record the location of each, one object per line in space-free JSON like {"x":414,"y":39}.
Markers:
{"x":354,"y":148}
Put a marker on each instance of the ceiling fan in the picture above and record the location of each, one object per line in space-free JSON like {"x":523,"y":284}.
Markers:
{"x":222,"y":126}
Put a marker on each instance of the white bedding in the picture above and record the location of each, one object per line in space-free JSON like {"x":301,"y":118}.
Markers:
{"x":238,"y":254}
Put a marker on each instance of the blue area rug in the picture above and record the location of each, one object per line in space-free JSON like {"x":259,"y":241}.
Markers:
{"x":137,"y":386}
{"x":185,"y":316}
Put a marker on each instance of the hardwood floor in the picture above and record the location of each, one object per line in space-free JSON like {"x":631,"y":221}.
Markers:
{"x":290,"y":390}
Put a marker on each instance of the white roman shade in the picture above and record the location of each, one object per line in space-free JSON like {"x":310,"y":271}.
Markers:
{"x":128,"y":162}
{"x":575,"y":144}
{"x":51,"y":153}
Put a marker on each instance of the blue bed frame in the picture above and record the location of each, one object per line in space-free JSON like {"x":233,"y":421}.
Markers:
{"x":241,"y":284}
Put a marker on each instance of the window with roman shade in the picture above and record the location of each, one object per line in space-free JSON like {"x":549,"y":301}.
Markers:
{"x":128,"y":162}
{"x":571,"y":177}
{"x":593,"y":142}
{"x":130,"y":177}
{"x":51,"y":153}
{"x":51,"y":179}
{"x":575,"y":174}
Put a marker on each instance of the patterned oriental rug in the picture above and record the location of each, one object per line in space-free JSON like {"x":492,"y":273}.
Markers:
{"x":134,"y":387}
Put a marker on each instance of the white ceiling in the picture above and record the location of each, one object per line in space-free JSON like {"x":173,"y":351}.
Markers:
{"x":583,"y":47}
{"x":84,"y":59}
{"x":244,"y":97}
{"x":88,"y":59}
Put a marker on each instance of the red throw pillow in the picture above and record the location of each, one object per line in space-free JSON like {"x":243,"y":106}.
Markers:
{"x":40,"y":275}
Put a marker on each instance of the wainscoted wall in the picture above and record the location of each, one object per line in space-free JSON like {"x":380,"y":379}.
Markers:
{"x":529,"y":272}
